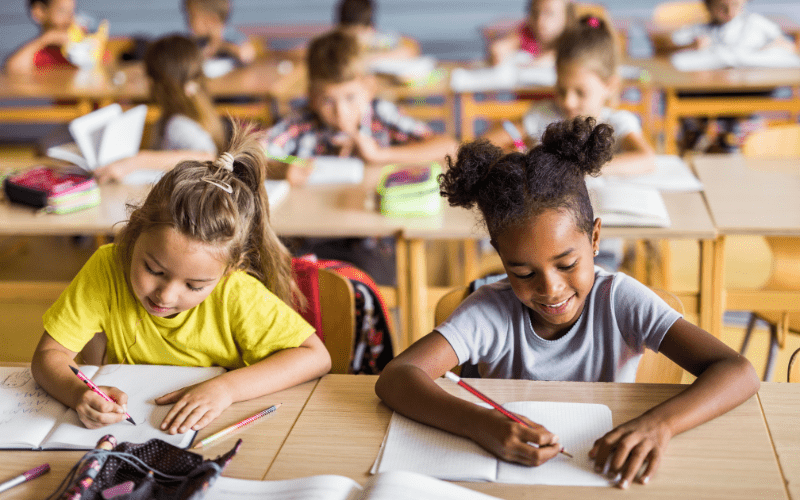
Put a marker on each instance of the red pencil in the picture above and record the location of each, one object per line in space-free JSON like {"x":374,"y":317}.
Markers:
{"x":96,"y":389}
{"x":486,"y":399}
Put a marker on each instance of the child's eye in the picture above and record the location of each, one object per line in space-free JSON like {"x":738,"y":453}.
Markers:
{"x":197,"y":289}
{"x":149,"y":270}
{"x":567,"y":268}
{"x":526,"y":276}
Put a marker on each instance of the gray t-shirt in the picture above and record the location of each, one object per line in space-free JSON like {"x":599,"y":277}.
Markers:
{"x":181,"y":133}
{"x":492,"y":329}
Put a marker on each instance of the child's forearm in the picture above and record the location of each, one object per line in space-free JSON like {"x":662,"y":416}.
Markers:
{"x":50,"y":369}
{"x":279,"y":371}
{"x":432,"y":149}
{"x":721,"y":387}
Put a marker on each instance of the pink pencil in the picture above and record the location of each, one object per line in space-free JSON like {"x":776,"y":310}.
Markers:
{"x":486,"y":399}
{"x":96,"y":389}
{"x":25,"y":477}
{"x":224,"y":432}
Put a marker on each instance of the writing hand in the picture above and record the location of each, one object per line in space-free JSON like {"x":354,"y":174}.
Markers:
{"x":625,"y":449}
{"x":514,"y":442}
{"x":95,"y":412}
{"x":195,"y":406}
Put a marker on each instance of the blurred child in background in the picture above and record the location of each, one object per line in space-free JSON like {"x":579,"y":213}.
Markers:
{"x":207,"y":20}
{"x":534,"y":41}
{"x":53,"y":17}
{"x":357,"y":17}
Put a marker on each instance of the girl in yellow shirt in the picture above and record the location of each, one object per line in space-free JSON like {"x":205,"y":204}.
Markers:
{"x":197,"y":277}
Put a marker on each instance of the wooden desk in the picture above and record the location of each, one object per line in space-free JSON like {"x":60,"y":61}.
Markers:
{"x":689,"y":216}
{"x":748,"y":196}
{"x":674,"y":83}
{"x":262,"y":441}
{"x":342,"y":426}
{"x":781,"y":406}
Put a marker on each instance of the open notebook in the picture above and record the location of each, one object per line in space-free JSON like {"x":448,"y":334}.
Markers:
{"x":102,"y":137}
{"x":671,"y":175}
{"x":720,"y":57}
{"x":32,"y":419}
{"x":628,"y":205}
{"x":416,"y":447}
{"x":387,"y":486}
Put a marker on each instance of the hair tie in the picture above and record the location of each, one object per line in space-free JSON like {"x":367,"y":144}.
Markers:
{"x":593,"y":22}
{"x":225,"y":161}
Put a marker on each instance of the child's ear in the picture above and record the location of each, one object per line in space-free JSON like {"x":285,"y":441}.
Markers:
{"x":596,"y":234}
{"x":38,"y":13}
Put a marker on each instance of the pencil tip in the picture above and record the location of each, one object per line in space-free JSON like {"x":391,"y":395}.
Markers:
{"x":565,"y":452}
{"x":74,"y":370}
{"x":129,"y":419}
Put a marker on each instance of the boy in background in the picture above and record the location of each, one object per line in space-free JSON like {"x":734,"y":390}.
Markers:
{"x":207,"y":20}
{"x":357,"y":17}
{"x":53,"y":17}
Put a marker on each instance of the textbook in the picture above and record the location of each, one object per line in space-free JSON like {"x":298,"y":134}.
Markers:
{"x":32,"y":419}
{"x":386,"y":486}
{"x":102,"y":137}
{"x":720,"y":57}
{"x":415,"y":447}
{"x":628,"y":205}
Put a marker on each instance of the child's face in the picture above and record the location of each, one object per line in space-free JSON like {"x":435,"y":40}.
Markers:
{"x":171,"y":273}
{"x":550,"y":265}
{"x":340,"y":105}
{"x":547,"y":20}
{"x":203,"y":23}
{"x":580,"y":91}
{"x":722,"y":11}
{"x":58,"y":15}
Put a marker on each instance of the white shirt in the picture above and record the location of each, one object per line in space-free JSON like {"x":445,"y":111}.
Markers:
{"x":747,"y":31}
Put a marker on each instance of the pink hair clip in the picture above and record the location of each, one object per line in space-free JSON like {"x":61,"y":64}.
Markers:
{"x":593,"y":22}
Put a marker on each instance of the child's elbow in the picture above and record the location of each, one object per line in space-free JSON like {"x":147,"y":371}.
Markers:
{"x":749,"y":380}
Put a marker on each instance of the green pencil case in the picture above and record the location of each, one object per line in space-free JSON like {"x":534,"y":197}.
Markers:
{"x":410,"y":191}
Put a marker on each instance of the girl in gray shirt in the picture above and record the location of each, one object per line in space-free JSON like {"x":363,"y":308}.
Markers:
{"x":557,"y":316}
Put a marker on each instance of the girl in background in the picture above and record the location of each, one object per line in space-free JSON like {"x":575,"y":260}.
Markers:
{"x":534,"y":41}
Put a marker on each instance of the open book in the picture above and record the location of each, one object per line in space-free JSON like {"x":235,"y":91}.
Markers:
{"x":387,"y":486}
{"x":416,"y":447}
{"x":628,"y":205}
{"x":102,"y":137}
{"x":32,"y":419}
{"x":671,"y":175}
{"x":720,"y":57}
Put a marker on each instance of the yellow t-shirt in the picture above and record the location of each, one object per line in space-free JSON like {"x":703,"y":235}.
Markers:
{"x":238,"y":324}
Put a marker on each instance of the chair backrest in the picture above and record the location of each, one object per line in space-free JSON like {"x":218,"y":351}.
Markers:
{"x":338,"y":306}
{"x":793,"y":374}
{"x":680,"y":13}
{"x":779,"y":141}
{"x":653,"y":367}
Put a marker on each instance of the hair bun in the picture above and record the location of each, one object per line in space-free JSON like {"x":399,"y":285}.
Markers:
{"x":581,"y":143}
{"x":462,"y":182}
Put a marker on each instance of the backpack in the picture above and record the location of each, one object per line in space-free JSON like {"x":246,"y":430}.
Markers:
{"x":372,"y":348}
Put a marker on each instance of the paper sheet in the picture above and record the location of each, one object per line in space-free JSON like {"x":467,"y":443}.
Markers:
{"x":306,"y":488}
{"x":671,"y":175}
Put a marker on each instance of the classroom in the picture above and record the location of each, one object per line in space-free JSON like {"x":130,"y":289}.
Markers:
{"x":287,"y":239}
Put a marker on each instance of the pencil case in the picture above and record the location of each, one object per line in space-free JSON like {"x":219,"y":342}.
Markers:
{"x":410,"y":191}
{"x":52,"y":190}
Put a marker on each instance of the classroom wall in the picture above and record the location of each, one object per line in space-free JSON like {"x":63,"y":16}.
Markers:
{"x":448,"y":29}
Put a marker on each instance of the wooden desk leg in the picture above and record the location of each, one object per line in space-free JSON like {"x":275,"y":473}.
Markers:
{"x":403,"y":310}
{"x":418,"y":291}
{"x":671,"y":123}
{"x":712,"y":285}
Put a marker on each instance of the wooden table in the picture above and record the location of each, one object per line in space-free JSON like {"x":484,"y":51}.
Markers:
{"x":781,"y":406}
{"x":262,"y":442}
{"x":676,"y":84}
{"x":342,"y":426}
{"x":748,"y":196}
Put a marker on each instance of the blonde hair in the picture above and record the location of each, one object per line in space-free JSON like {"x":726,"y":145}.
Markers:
{"x":172,"y":62}
{"x":590,"y":43}
{"x":334,"y":58}
{"x":194,"y":200}
{"x":220,"y":8}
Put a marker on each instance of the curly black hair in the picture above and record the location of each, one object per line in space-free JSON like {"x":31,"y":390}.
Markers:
{"x":510,"y":188}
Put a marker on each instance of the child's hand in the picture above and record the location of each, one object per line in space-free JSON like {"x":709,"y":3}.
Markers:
{"x":625,"y":449}
{"x":514,"y":442}
{"x":701,"y":42}
{"x":96,"y":412}
{"x":117,"y":170}
{"x":196,"y":406}
{"x":364,"y":146}
{"x":298,"y":173}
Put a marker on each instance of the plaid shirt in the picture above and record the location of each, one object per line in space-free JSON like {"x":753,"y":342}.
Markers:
{"x":302,"y":134}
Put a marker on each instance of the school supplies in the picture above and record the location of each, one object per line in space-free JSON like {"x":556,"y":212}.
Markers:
{"x":32,"y":419}
{"x":52,"y":190}
{"x":720,"y":57}
{"x":102,"y":137}
{"x":224,"y":432}
{"x":328,"y":169}
{"x":416,"y":447}
{"x":25,"y":477}
{"x":486,"y":399}
{"x":627,"y":205}
{"x":96,"y":390}
{"x":410,"y":191}
{"x":387,"y":485}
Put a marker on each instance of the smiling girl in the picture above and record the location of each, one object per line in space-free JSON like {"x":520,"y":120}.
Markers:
{"x":197,"y":277}
{"x":557,"y":316}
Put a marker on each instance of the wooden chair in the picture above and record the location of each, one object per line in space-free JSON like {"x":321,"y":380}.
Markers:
{"x":653,"y":367}
{"x":782,"y":317}
{"x":793,"y":373}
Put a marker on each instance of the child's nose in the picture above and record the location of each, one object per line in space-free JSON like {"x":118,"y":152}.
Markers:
{"x":549,"y":286}
{"x":167,"y":294}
